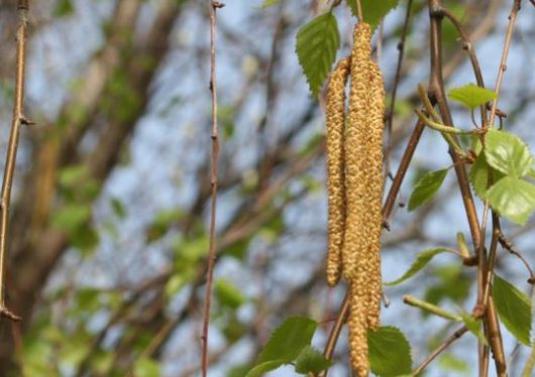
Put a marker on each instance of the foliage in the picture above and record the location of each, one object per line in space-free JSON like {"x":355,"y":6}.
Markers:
{"x":316,"y":46}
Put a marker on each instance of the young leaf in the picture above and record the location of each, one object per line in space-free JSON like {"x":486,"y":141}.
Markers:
{"x":261,"y":369}
{"x":474,"y":326}
{"x":311,"y":360}
{"x":373,"y":11}
{"x":389,"y":352}
{"x":426,"y":187}
{"x":421,"y":260}
{"x":480,"y":174}
{"x":317,"y":43}
{"x":228,"y":294}
{"x":514,"y":309}
{"x":513,"y":198}
{"x":507,"y":153}
{"x":288,"y":340}
{"x":471,"y":95}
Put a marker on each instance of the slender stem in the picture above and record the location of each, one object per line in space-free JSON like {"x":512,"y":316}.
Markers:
{"x":397,"y":79}
{"x":336,"y":330}
{"x":430,"y":308}
{"x":456,"y":335}
{"x":505,"y":55}
{"x":17,"y":121}
{"x":214,"y":6}
{"x":359,"y":11}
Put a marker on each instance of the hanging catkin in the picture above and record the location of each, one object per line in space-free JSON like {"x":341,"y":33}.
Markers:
{"x":374,"y":155}
{"x":355,"y":167}
{"x":356,"y":258}
{"x":336,"y":99}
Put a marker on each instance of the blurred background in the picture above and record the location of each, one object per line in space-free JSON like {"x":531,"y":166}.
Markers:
{"x":109,"y":232}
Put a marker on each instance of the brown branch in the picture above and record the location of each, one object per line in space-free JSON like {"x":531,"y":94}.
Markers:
{"x":397,"y":79}
{"x":456,"y":335}
{"x":214,"y":6}
{"x":17,"y":121}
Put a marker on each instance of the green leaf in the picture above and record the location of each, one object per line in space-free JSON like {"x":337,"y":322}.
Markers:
{"x":426,"y":187}
{"x":288,"y":340}
{"x":146,"y":367}
{"x":265,"y":367}
{"x":373,"y":11}
{"x":471,"y":96}
{"x":71,"y":216}
{"x":480,"y":175}
{"x":311,"y":360}
{"x":228,"y":294}
{"x":512,"y":198}
{"x":474,"y":326}
{"x":118,"y":208}
{"x":389,"y":352}
{"x":451,"y":363}
{"x":507,"y":153}
{"x":269,"y":3}
{"x":421,"y":261}
{"x":317,"y":43}
{"x":514,"y":309}
{"x":63,"y":8}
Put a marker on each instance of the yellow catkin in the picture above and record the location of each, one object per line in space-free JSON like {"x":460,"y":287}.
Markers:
{"x":356,"y":266}
{"x":358,"y":334}
{"x":336,"y":99}
{"x":355,"y":152}
{"x":364,"y":188}
{"x":375,"y":190}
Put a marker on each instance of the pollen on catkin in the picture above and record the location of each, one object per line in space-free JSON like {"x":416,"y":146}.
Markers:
{"x":358,"y":333}
{"x":375,"y":191}
{"x":336,"y":99}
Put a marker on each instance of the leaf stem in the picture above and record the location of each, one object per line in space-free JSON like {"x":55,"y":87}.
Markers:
{"x":428,"y":307}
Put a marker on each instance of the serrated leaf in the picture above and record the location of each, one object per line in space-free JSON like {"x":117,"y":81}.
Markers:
{"x":265,"y":367}
{"x":288,"y":340}
{"x":512,"y":198}
{"x":228,"y":294}
{"x":421,"y":261}
{"x":426,"y":187}
{"x":480,"y":174}
{"x":316,"y":46}
{"x":507,"y":153}
{"x":471,"y":96}
{"x":310,"y":360}
{"x":373,"y":11}
{"x":514,"y":309}
{"x":389,"y":352}
{"x":474,"y":326}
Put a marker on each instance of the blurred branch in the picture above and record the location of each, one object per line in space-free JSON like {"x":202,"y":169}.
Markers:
{"x":17,"y":121}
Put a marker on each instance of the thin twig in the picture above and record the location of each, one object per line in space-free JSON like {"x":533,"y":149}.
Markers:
{"x":214,"y":6}
{"x":456,"y":335}
{"x":18,"y":120}
{"x":397,"y":79}
{"x":430,"y":308}
{"x":505,"y":55}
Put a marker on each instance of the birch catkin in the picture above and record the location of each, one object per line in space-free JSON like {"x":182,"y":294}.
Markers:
{"x":336,"y":99}
{"x":375,"y":191}
{"x":355,"y":167}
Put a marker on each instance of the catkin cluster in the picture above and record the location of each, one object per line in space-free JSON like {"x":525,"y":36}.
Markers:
{"x":355,"y":185}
